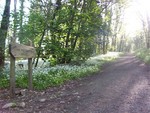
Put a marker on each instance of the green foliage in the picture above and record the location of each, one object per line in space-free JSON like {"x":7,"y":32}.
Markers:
{"x":22,"y":80}
{"x":33,"y":29}
{"x":70,"y":30}
{"x":4,"y":81}
{"x":65,"y":32}
{"x":57,"y":75}
{"x":144,"y":54}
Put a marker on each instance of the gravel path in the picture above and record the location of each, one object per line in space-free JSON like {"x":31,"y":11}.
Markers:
{"x":122,"y":87}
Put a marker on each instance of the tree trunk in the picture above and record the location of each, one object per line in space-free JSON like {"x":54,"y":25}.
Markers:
{"x":39,"y":48}
{"x":71,"y":24}
{"x":104,"y":44}
{"x":3,"y":32}
{"x":21,"y":18}
{"x":15,"y":20}
{"x":66,"y":59}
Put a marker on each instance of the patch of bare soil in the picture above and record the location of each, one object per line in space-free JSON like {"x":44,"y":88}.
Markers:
{"x":122,"y":87}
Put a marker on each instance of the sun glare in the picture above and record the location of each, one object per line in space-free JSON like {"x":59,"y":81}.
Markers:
{"x":137,"y":9}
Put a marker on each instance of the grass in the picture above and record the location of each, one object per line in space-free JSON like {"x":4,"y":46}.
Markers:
{"x":143,"y":54}
{"x":54,"y":76}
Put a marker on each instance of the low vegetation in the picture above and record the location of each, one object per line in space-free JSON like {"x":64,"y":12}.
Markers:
{"x":143,"y":54}
{"x":57,"y":75}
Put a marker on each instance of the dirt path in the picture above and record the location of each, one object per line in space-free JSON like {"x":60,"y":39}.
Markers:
{"x":122,"y":87}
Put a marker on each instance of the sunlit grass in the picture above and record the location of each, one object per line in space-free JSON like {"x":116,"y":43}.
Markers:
{"x":53,"y":76}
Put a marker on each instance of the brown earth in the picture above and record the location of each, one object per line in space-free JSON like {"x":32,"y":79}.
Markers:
{"x":122,"y":87}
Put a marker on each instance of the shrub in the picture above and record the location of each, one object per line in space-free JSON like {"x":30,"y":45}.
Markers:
{"x":143,"y":54}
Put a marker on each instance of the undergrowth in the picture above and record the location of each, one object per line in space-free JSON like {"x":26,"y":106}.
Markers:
{"x":54,"y":76}
{"x":143,"y":54}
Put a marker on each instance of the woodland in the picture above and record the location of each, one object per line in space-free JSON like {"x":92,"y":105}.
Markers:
{"x":74,"y":56}
{"x":66,"y":34}
{"x":64,"y":31}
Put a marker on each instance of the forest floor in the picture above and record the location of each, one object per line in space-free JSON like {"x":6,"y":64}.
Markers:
{"x":122,"y":87}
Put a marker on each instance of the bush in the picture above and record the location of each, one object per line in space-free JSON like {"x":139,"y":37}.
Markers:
{"x":143,"y":54}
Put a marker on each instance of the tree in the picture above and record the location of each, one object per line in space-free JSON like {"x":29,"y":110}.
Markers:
{"x":3,"y":32}
{"x":21,"y":15}
{"x":118,"y":13}
{"x":15,"y":21}
{"x":146,"y":29}
{"x":66,"y":31}
{"x":105,"y":29}
{"x":62,"y":31}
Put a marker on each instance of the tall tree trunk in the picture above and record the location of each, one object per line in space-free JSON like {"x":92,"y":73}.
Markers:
{"x":71,"y":24}
{"x":15,"y":21}
{"x":121,"y":45}
{"x":107,"y":44}
{"x":21,"y":18}
{"x":74,"y":41}
{"x":104,"y":44}
{"x":39,"y":48}
{"x":65,"y":59}
{"x":3,"y":32}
